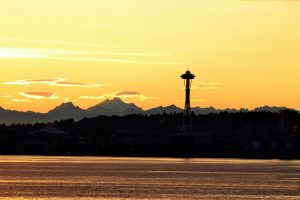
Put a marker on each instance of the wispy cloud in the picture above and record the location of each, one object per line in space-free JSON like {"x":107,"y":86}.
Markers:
{"x":79,"y":44}
{"x":69,"y":100}
{"x":85,"y":56}
{"x":125,"y":95}
{"x":101,"y":97}
{"x":52,"y":82}
{"x":39,"y":95}
{"x":20,"y":53}
{"x":207,"y":85}
{"x":20,"y":100}
{"x":5,"y":96}
{"x":113,"y":60}
{"x":66,"y":52}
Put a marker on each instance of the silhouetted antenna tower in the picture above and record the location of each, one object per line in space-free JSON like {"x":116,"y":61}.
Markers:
{"x":187,"y":121}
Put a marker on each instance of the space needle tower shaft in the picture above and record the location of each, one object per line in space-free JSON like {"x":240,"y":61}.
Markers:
{"x":188,"y":77}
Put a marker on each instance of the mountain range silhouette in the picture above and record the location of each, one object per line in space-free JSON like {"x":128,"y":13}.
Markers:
{"x":108,"y":107}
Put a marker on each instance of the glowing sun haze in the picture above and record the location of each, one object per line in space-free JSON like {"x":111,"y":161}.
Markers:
{"x":244,"y":53}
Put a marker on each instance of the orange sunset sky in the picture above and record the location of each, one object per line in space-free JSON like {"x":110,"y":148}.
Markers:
{"x":245,"y":53}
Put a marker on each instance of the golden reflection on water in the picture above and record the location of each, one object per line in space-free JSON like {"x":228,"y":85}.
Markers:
{"x":41,"y":177}
{"x":91,"y":159}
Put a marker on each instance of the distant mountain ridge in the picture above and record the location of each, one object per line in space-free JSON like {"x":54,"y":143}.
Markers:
{"x":65,"y":110}
{"x":160,"y":110}
{"x":114,"y":107}
{"x":109,"y":107}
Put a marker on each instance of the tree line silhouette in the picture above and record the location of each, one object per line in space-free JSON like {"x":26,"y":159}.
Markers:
{"x":243,"y":134}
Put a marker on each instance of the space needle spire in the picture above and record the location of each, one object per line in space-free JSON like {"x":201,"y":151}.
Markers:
{"x":187,"y":122}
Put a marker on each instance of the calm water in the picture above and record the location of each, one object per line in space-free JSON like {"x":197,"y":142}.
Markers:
{"x":38,"y":177}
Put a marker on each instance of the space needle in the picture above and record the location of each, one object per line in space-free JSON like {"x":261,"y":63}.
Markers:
{"x":187,"y":121}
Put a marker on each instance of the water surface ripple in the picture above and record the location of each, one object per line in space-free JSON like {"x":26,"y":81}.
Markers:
{"x":41,"y":177}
